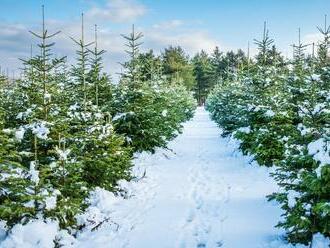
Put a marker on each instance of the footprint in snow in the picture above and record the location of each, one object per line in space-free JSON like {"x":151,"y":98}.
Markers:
{"x":219,"y":244}
{"x":191,"y":216}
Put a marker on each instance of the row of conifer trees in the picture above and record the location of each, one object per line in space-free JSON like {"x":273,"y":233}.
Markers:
{"x":279,"y":110}
{"x":65,"y":130}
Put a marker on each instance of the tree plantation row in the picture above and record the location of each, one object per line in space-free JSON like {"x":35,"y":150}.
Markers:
{"x":279,"y":110}
{"x":66,"y":130}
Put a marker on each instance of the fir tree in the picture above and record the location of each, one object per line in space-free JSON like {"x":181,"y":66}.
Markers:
{"x":37,"y":120}
{"x":57,"y":186}
{"x":101,"y":92}
{"x":15,"y":182}
{"x":280,"y":115}
{"x":131,"y":74}
{"x":323,"y":48}
{"x":80,"y":70}
{"x":96,"y":147}
{"x":264,"y":47}
{"x":148,"y":112}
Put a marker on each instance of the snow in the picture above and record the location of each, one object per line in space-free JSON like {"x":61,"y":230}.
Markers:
{"x":29,"y":204}
{"x":128,"y":139}
{"x":19,"y":134}
{"x":102,"y":199}
{"x":47,"y":96}
{"x":50,"y":201}
{"x":303,"y":130}
{"x":269,"y":113}
{"x":63,"y":154}
{"x":245,"y":129}
{"x":34,"y":173}
{"x":2,"y":230}
{"x":74,"y":107}
{"x":24,"y":115}
{"x":319,"y":108}
{"x":320,"y":150}
{"x":164,"y":113}
{"x":52,"y":165}
{"x":35,"y":234}
{"x":40,"y":130}
{"x":101,"y":204}
{"x":122,"y":115}
{"x":203,"y":194}
{"x":98,"y":115}
{"x":319,"y":241}
{"x":315,"y":77}
{"x":292,"y":198}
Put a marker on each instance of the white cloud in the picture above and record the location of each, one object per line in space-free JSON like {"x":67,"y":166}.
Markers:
{"x":190,"y":40}
{"x":118,"y":11}
{"x":14,"y":44}
{"x":168,"y":24}
{"x":179,"y":33}
{"x":311,"y":38}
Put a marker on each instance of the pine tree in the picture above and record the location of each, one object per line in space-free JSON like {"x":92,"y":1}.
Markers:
{"x":176,"y":67}
{"x":101,"y":92}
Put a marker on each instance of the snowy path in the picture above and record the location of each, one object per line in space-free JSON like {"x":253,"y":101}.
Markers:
{"x":204,"y":195}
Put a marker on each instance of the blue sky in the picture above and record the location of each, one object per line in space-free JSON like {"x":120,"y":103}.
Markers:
{"x":195,"y":25}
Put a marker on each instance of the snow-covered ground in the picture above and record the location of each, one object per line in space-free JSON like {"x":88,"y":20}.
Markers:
{"x":203,"y":194}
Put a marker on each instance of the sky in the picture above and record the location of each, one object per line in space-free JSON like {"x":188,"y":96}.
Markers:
{"x":195,"y":25}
